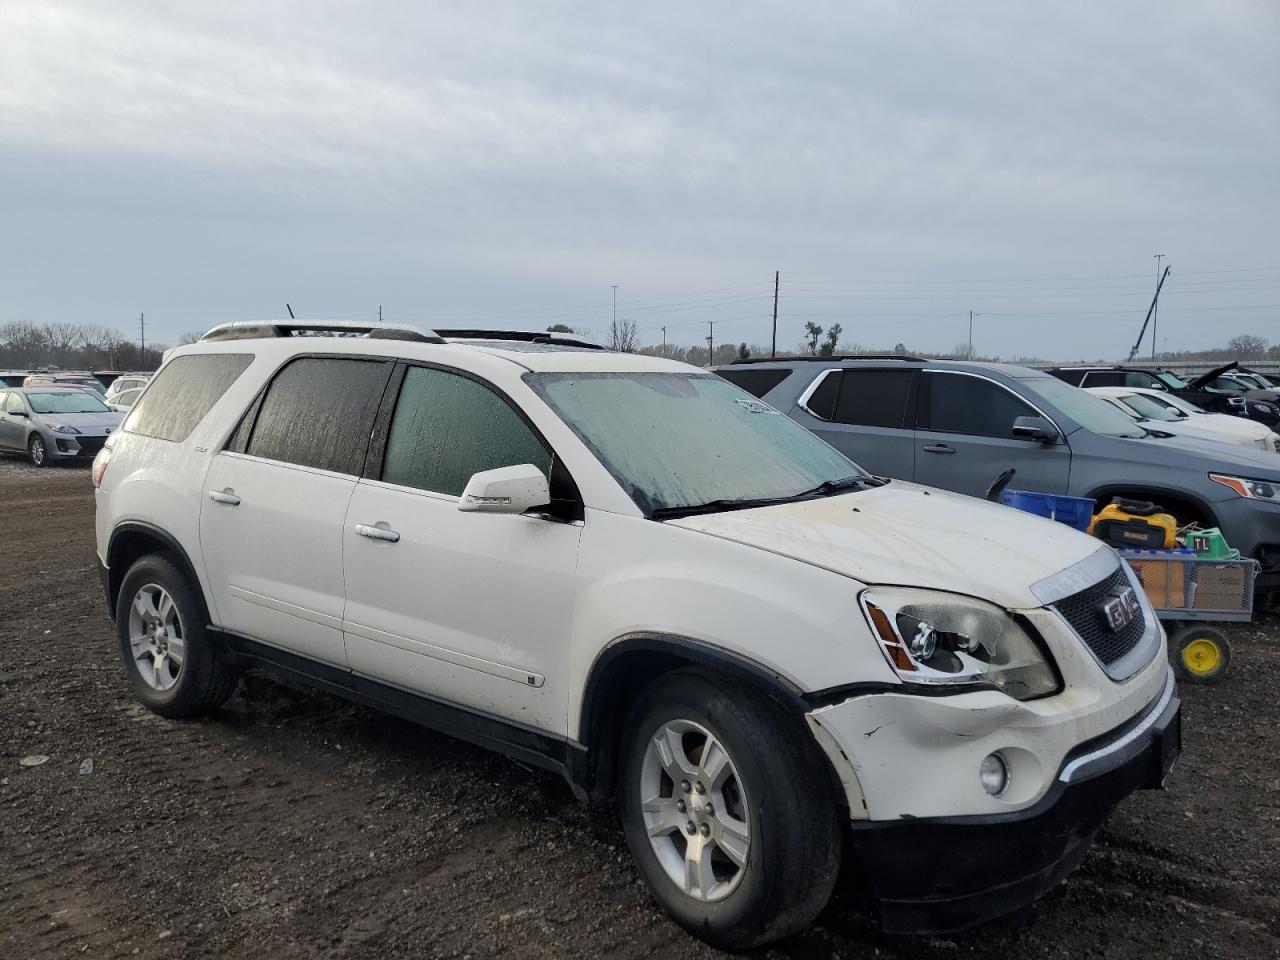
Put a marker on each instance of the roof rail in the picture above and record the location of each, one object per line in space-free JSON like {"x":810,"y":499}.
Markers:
{"x":252,"y":330}
{"x":835,"y":356}
{"x":525,"y":336}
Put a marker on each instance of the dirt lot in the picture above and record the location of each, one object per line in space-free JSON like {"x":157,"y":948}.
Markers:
{"x":295,"y":825}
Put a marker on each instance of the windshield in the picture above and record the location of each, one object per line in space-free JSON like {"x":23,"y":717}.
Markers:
{"x":676,"y":440}
{"x":72,"y":401}
{"x":1150,"y":408}
{"x":1182,"y":403}
{"x":1170,"y":380}
{"x":1092,"y":413}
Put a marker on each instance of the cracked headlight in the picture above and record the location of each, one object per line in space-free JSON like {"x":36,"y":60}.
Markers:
{"x":944,"y":639}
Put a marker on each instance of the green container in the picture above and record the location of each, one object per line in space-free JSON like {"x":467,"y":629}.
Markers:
{"x":1211,"y":545}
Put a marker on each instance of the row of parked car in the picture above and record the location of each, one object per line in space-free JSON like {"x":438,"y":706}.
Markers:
{"x":63,"y":416}
{"x":775,"y":654}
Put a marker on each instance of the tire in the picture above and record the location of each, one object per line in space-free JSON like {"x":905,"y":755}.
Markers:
{"x":173,"y":668}
{"x":771,"y":782}
{"x":1200,"y":654}
{"x":37,"y":451}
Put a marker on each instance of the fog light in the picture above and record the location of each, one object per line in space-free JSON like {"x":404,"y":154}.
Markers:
{"x":994,"y":774}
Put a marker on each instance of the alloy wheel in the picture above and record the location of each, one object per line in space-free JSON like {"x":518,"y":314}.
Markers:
{"x":37,"y":451}
{"x":156,"y":637}
{"x":695,"y":810}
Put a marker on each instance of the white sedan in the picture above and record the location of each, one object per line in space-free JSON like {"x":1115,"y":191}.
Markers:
{"x":1183,"y":418}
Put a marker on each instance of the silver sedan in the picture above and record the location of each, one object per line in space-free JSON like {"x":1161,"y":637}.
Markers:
{"x":50,"y":423}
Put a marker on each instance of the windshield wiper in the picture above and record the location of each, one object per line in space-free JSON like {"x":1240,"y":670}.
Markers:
{"x":724,"y":505}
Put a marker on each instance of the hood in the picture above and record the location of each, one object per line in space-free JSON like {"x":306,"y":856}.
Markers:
{"x":1199,"y":382}
{"x":909,"y":535}
{"x":81,"y":421}
{"x":1211,"y":456}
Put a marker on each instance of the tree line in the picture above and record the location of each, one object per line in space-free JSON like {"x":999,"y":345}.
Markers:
{"x":70,"y":346}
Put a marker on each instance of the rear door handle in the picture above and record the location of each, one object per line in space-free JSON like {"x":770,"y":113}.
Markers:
{"x":227,"y":496}
{"x":377,"y":533}
{"x":938,"y":448}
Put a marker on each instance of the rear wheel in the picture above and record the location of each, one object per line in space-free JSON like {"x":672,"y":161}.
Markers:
{"x":171,"y":664}
{"x":37,"y":452}
{"x":727,"y":812}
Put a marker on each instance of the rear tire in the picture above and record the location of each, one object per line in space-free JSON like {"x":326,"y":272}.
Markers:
{"x":744,"y":848}
{"x":37,"y":452}
{"x":172,"y":666}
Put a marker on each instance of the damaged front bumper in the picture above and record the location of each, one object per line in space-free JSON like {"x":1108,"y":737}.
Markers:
{"x":935,"y":873}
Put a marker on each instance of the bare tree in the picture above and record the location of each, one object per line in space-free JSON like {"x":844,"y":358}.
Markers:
{"x":623,"y":336}
{"x":191,"y":336}
{"x":1247,"y":345}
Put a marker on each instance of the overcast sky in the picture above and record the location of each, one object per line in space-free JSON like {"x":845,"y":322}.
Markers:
{"x":496,"y":164}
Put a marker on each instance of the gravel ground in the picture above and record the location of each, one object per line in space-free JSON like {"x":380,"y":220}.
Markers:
{"x":292,"y":824}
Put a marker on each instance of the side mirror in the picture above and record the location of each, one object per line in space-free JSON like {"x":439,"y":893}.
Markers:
{"x":506,"y":490}
{"x":19,"y":413}
{"x":1037,"y":429}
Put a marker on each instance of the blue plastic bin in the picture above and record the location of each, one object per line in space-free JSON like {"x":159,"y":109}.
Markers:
{"x":1073,"y":511}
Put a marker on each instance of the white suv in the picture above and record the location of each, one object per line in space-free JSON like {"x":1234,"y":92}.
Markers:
{"x":629,"y":571}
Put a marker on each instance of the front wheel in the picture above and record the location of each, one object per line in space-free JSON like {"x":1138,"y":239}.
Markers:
{"x":37,"y":452}
{"x":727,"y":811}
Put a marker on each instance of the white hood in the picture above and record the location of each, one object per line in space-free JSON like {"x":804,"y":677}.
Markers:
{"x":910,"y":535}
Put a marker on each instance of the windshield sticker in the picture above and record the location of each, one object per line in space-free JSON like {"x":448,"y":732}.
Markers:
{"x":754,"y":406}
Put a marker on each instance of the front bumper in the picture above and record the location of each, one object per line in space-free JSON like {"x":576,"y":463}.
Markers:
{"x":937,"y":874}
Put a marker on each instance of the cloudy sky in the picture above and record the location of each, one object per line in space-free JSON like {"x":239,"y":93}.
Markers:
{"x":496,"y":164}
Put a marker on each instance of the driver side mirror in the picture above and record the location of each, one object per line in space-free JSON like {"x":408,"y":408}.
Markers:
{"x":1037,"y":429}
{"x":19,"y":413}
{"x":506,"y":490}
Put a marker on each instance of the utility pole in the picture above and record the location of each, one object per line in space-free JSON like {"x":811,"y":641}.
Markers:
{"x":773,"y":350}
{"x":379,"y":314}
{"x":1155,"y":317}
{"x":615,"y":307}
{"x":664,"y":341}
{"x":971,"y":316}
{"x":142,"y":324}
{"x":711,"y":342}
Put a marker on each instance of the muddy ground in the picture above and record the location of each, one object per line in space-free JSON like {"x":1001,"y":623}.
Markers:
{"x":292,"y":824}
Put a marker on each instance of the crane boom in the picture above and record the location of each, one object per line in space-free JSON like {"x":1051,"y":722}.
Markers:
{"x":1151,"y":309}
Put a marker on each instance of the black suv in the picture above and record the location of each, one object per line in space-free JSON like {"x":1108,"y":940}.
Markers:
{"x":1206,"y":391}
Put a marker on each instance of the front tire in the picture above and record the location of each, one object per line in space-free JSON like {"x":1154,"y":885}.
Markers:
{"x":727,"y":811}
{"x":171,"y":664}
{"x":37,"y":452}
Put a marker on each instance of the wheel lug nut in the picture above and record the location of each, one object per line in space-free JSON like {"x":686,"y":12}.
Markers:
{"x":681,"y":806}
{"x":699,"y":787}
{"x":690,"y":828}
{"x":706,"y":829}
{"x":709,"y":810}
{"x":684,"y":786}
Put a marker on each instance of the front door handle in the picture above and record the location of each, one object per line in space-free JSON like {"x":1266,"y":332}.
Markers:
{"x":938,"y":448}
{"x":227,"y":496}
{"x":377,"y":533}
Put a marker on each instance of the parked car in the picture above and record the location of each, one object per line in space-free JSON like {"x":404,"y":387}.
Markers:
{"x":125,"y":383}
{"x":85,"y":381}
{"x":1256,"y":379}
{"x":125,"y":400}
{"x":626,"y":570}
{"x":13,"y":378}
{"x":1159,"y":410}
{"x":1260,"y":405}
{"x":50,"y":423}
{"x":957,"y":425}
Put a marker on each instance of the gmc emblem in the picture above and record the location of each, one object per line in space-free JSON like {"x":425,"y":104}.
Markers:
{"x":1121,"y":609}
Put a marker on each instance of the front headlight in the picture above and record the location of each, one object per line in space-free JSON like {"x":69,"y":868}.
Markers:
{"x":1260,"y":409}
{"x":949,"y":640}
{"x":1268,"y":490}
{"x":61,"y":428}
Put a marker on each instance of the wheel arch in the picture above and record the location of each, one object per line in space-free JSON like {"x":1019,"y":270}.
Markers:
{"x":1200,"y":509}
{"x":626,"y":666}
{"x":133,"y":539}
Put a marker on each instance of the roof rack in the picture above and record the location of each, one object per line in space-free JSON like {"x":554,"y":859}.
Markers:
{"x":252,"y":330}
{"x":524,"y":336}
{"x":836,"y":356}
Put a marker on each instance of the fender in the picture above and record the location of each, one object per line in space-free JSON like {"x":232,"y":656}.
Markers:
{"x":1102,"y":496}
{"x":111,"y":576}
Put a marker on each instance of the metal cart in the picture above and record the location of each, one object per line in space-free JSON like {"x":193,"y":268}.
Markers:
{"x":1187,"y":592}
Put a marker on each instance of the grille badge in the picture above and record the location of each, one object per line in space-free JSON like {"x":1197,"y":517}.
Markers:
{"x":1120,"y":608}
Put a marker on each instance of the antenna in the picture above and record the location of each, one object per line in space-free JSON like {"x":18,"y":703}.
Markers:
{"x":290,"y":309}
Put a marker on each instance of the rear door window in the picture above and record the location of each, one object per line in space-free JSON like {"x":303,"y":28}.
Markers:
{"x":865,"y":398}
{"x":959,"y":403}
{"x":317,"y":412}
{"x":1104,"y":378}
{"x":447,"y":427}
{"x":755,"y":382}
{"x":183,"y":392}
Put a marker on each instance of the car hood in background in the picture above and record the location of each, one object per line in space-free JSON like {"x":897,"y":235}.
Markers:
{"x":910,"y":535}
{"x":106,"y":420}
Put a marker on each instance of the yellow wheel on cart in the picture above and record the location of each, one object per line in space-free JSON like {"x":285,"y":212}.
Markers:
{"x":1200,"y":654}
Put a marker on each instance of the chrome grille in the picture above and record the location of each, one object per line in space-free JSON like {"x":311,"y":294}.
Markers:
{"x":1083,"y":611}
